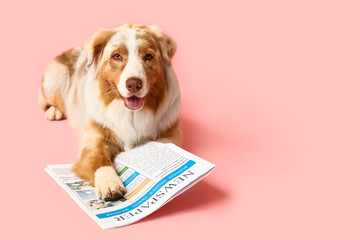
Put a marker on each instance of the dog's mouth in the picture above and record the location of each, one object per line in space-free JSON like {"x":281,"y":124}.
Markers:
{"x":133,"y":102}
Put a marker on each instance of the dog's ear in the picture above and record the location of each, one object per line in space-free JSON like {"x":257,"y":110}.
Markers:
{"x":167,"y":44}
{"x":95,"y":46}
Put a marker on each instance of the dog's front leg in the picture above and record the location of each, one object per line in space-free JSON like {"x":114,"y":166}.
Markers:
{"x":98,"y":149}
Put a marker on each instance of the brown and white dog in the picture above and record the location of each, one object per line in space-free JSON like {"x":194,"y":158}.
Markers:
{"x":119,"y":91}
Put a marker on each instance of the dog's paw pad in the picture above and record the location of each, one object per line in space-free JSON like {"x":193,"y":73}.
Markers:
{"x":108,"y":185}
{"x":113,"y":195}
{"x":53,"y":113}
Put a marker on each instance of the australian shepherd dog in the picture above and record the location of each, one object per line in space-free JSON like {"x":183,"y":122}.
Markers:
{"x":118,"y":90}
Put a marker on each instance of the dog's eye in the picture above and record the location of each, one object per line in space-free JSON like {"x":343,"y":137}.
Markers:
{"x":117,"y":57}
{"x":148,"y":56}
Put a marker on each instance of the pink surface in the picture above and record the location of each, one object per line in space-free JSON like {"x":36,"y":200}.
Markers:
{"x":270,"y":95}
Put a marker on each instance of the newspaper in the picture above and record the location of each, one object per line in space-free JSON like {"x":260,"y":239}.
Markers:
{"x":153,"y":175}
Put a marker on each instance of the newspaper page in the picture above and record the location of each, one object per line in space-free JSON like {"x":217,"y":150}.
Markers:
{"x":153,"y":174}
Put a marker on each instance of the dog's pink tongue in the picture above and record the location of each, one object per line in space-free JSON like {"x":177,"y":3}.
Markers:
{"x":133,"y":102}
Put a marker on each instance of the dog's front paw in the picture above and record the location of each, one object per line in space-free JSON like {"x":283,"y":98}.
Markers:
{"x":54,"y":113}
{"x":108,"y":185}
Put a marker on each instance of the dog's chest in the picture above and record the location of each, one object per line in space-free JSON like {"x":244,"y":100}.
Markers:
{"x":131,"y":128}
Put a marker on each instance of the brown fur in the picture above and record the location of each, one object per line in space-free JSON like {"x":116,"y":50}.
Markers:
{"x":167,"y":47}
{"x":108,"y":81}
{"x":68,"y":59}
{"x":149,"y":38}
{"x":100,"y":42}
{"x":100,"y":151}
{"x":109,"y":75}
{"x":155,"y":95}
{"x":154,"y":72}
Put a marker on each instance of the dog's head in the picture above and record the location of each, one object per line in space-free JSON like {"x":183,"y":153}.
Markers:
{"x":129,"y":64}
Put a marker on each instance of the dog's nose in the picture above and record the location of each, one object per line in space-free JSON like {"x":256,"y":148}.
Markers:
{"x":134,"y":84}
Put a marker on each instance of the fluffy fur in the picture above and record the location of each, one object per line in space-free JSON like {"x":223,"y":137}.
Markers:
{"x":119,"y":91}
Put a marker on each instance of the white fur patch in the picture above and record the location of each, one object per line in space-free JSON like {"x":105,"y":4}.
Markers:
{"x":56,"y":79}
{"x":134,"y":67}
{"x":108,"y":183}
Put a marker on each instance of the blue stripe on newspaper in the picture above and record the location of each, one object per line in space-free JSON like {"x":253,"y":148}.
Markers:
{"x":129,"y":179}
{"x":151,"y":192}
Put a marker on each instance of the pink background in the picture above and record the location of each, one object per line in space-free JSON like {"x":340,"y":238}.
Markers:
{"x":270,"y":95}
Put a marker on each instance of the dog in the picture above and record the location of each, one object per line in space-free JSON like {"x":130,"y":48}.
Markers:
{"x":118,"y":90}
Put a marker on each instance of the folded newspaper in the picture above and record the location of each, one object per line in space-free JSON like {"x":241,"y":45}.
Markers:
{"x":153,"y":175}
